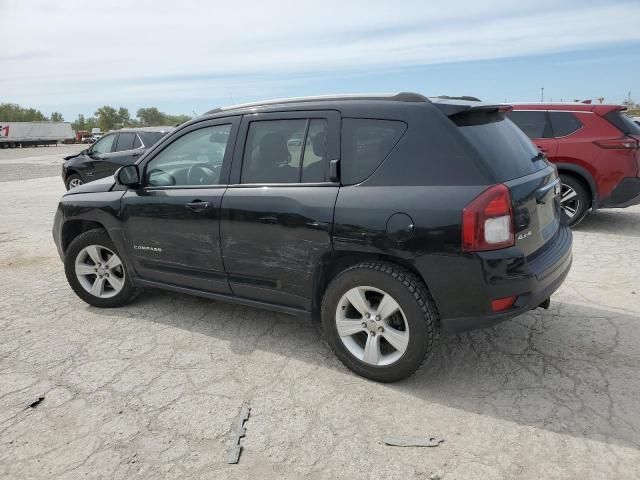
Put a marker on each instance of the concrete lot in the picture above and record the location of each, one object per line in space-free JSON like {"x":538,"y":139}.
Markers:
{"x":151,"y":390}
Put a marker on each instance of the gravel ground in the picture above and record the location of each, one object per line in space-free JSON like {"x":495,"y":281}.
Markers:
{"x":152,"y":390}
{"x":34,"y":162}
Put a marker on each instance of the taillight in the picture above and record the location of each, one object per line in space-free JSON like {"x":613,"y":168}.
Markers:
{"x":624,"y":143}
{"x":487,"y":222}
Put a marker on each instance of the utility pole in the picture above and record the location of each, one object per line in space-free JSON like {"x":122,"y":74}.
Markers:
{"x":542,"y":94}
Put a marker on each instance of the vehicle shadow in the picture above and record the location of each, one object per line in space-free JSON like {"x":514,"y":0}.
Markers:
{"x":571,"y":369}
{"x":624,"y":222}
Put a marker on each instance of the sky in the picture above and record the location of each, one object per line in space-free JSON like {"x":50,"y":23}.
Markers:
{"x":187,"y":57}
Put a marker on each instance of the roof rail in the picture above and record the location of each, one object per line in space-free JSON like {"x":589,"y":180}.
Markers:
{"x":468,"y":98}
{"x":397,"y":97}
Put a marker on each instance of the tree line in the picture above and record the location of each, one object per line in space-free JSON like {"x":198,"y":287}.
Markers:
{"x":106,"y":117}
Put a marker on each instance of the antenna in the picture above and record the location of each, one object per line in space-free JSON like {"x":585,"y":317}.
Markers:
{"x":233,"y":102}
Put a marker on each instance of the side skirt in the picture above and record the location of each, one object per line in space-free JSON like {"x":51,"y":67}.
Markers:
{"x":298,"y":312}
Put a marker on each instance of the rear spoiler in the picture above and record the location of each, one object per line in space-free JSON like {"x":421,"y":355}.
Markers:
{"x":450,"y":108}
{"x":602,"y":110}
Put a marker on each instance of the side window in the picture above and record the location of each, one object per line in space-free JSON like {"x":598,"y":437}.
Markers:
{"x":532,"y":123}
{"x":272,"y":151}
{"x":365,"y":144}
{"x":564,"y":123}
{"x":193,"y":159}
{"x":125,"y":142}
{"x":137,"y":143}
{"x":103,"y":145}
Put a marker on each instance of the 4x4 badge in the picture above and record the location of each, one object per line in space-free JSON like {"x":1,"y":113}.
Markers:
{"x":522,"y":236}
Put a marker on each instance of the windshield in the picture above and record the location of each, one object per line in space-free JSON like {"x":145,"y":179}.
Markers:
{"x":506,"y":149}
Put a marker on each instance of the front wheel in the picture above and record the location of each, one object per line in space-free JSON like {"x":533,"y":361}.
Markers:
{"x":73,"y":181}
{"x":379,"y":320}
{"x":95,"y":271}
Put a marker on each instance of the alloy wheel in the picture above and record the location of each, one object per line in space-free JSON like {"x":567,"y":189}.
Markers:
{"x":100,"y":271}
{"x":569,"y":200}
{"x":76,"y":182}
{"x":372,"y":326}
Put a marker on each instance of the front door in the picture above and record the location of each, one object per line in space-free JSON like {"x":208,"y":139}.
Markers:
{"x":172,"y":223}
{"x":98,"y":163}
{"x":277,"y":214}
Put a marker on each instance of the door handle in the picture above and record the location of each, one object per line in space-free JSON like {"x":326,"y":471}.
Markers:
{"x":198,"y":206}
{"x":136,"y":154}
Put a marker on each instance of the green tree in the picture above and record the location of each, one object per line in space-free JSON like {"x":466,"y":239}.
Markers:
{"x":79,"y":124}
{"x":150,"y":117}
{"x":12,"y":112}
{"x":57,"y":117}
{"x":108,"y":118}
{"x":124,"y":119}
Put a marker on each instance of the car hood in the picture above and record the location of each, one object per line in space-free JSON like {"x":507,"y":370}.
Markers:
{"x":102,"y":185}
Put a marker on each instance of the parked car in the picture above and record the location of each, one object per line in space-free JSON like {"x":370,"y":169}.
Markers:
{"x":397,"y":216}
{"x":594,"y":147}
{"x":110,"y":152}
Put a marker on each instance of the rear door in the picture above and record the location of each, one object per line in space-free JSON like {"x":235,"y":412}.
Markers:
{"x":514,"y":161}
{"x":124,"y":153}
{"x":277,"y":213}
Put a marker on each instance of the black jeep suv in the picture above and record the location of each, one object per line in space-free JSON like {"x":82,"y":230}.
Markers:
{"x":112,"y":151}
{"x":388,"y":217}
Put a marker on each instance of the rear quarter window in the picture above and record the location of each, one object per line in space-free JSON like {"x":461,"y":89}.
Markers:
{"x":151,"y":138}
{"x":506,"y":150}
{"x":365,"y":144}
{"x":564,"y":123}
{"x":533,"y":123}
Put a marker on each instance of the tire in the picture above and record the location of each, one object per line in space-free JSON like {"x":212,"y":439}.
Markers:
{"x":73,"y":181}
{"x":114,"y":284}
{"x":579,"y":200}
{"x":414,"y":325}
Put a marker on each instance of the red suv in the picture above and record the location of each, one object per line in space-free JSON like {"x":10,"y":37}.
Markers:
{"x":594,"y":147}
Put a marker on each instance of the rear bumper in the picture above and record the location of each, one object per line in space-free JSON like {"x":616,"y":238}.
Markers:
{"x":626,"y":194}
{"x":536,"y":278}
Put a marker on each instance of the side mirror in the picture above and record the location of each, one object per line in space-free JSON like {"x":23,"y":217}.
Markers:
{"x":128,"y":176}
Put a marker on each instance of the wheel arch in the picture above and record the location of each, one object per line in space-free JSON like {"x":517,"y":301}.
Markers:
{"x":582,"y":175}
{"x":73,"y":228}
{"x":331,"y":264}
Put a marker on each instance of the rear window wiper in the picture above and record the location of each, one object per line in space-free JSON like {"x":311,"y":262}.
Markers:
{"x":538,"y":156}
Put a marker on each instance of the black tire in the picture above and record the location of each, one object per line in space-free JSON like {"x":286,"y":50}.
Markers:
{"x":70,"y":178}
{"x":414,"y":300}
{"x":96,"y":237}
{"x":580,"y":203}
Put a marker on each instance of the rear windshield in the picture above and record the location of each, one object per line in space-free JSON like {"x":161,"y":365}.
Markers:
{"x":508,"y":152}
{"x":624,"y":122}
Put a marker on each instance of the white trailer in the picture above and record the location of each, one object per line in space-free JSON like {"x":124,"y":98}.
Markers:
{"x":22,"y":134}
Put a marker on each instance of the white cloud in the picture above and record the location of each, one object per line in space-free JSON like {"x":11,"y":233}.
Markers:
{"x":158,"y":50}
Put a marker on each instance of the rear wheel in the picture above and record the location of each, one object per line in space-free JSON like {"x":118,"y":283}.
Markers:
{"x":574,"y":198}
{"x":96,"y":272}
{"x":379,"y":320}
